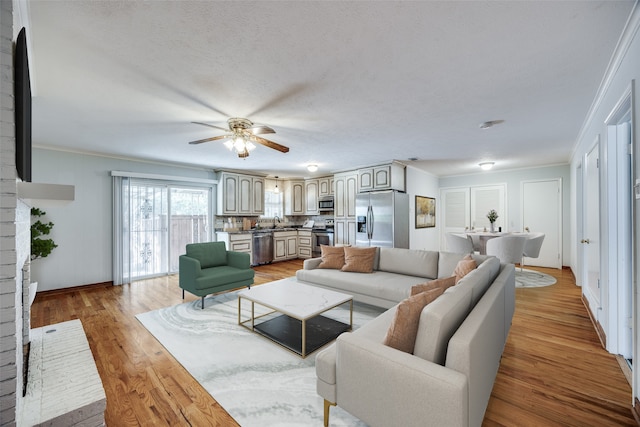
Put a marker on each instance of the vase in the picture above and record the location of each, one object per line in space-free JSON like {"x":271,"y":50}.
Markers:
{"x":492,"y":227}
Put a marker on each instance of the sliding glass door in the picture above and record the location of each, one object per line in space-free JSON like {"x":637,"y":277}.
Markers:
{"x":156,"y":222}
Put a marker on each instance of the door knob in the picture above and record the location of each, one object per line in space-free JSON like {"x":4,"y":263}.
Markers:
{"x":584,"y":241}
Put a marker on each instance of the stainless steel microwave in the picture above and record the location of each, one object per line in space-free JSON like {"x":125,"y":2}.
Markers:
{"x":325,"y":204}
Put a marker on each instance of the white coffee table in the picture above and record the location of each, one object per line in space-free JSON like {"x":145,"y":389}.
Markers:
{"x":300,"y":327}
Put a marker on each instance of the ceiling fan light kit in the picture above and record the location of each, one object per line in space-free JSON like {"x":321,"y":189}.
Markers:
{"x":241,"y":135}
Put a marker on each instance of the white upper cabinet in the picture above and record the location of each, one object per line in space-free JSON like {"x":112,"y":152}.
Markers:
{"x":383,"y":177}
{"x":240,"y":194}
{"x":294,"y":198}
{"x":311,"y":191}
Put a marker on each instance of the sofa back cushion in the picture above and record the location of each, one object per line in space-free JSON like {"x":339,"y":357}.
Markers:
{"x":412,"y":262}
{"x":210,"y":254}
{"x":439,"y":321}
{"x":481,"y":278}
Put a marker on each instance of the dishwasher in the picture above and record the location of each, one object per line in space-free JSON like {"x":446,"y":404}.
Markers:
{"x":262,"y":252}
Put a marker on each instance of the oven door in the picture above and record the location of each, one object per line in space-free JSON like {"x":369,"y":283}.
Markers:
{"x":321,"y":238}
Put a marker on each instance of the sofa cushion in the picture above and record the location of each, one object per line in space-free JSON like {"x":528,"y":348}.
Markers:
{"x":210,"y":254}
{"x":332,"y":257}
{"x":359,"y":260}
{"x":379,"y":284}
{"x":444,"y":283}
{"x":412,"y":262}
{"x":439,"y":321}
{"x":465,"y":266}
{"x":481,"y":278}
{"x":401,"y":335}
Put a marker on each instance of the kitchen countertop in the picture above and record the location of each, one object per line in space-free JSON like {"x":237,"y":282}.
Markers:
{"x":262,"y":230}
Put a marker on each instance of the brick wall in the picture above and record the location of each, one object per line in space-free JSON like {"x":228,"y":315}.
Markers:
{"x":11,"y":338}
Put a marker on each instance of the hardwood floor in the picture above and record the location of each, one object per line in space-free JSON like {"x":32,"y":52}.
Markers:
{"x":553,"y":372}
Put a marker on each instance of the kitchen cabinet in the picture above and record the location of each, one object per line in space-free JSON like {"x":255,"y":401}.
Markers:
{"x":285,"y":245}
{"x":304,"y":244}
{"x":383,"y":177}
{"x":345,"y":190}
{"x":294,"y":197}
{"x":237,"y":242}
{"x":311,"y":192}
{"x":325,"y":186}
{"x":240,"y":194}
{"x":258,"y":196}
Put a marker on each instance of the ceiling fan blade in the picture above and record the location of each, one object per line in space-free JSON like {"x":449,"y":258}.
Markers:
{"x":270,"y":144}
{"x":215,"y":138}
{"x":261,"y":130}
{"x":211,"y":126}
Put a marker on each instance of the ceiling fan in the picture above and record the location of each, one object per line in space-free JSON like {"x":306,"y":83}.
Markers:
{"x":241,"y":135}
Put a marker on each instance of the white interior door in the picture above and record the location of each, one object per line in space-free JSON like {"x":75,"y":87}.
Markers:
{"x":591,"y":232}
{"x":542,"y":212}
{"x":456,"y":213}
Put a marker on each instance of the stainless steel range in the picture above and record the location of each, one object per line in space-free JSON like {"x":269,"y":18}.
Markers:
{"x":322,"y":235}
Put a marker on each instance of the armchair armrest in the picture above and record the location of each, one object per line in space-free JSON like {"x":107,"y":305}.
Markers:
{"x":384,"y":386}
{"x":189,"y":271}
{"x":238,"y":259}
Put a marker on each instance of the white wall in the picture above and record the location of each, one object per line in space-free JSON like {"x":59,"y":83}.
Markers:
{"x":421,"y":183}
{"x":513,"y":180}
{"x":83,"y":227}
{"x":624,"y":68}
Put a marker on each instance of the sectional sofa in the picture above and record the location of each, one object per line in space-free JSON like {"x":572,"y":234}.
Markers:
{"x":448,"y":378}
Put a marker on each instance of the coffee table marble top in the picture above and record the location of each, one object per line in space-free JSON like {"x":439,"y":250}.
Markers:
{"x":295,"y":299}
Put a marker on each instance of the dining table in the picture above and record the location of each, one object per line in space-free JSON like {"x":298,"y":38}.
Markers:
{"x":480,"y":238}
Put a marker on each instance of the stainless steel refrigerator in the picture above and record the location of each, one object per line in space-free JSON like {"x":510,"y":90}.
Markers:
{"x":382,"y":219}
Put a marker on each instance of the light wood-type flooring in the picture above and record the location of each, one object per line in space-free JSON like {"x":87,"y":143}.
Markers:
{"x":554,"y":372}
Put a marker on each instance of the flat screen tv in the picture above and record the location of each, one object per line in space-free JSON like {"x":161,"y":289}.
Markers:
{"x":23,"y":108}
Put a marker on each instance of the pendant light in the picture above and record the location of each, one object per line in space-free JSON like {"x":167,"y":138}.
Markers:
{"x":276,"y":190}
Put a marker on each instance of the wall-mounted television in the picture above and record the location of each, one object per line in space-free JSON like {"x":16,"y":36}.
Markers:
{"x":22,"y":90}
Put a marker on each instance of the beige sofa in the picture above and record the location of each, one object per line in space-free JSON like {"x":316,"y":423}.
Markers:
{"x":448,"y":379}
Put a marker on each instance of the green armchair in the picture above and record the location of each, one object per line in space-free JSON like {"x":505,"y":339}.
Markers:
{"x":208,"y":268}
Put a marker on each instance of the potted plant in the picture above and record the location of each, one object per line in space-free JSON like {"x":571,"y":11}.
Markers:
{"x":493,"y":216}
{"x":40,"y":248}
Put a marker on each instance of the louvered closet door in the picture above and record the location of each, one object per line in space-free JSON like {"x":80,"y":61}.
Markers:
{"x":455,"y":212}
{"x":483,"y":199}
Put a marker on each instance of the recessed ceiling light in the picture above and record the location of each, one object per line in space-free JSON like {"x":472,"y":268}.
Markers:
{"x":486,"y":165}
{"x":312,"y":168}
{"x":413,"y":159}
{"x":490,"y":123}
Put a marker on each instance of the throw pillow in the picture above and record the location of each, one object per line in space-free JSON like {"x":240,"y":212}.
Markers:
{"x":401,"y":335}
{"x":443,"y":283}
{"x":465,"y":266}
{"x":359,"y":260}
{"x":332,"y":257}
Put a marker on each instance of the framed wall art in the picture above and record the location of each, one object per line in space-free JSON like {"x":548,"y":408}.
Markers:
{"x":425,"y":212}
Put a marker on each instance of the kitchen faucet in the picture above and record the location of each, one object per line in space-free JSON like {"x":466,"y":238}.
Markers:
{"x":275,"y":218}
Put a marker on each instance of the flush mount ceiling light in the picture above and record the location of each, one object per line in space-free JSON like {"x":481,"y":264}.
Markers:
{"x":486,"y":165}
{"x":312,"y":168}
{"x":490,"y":124}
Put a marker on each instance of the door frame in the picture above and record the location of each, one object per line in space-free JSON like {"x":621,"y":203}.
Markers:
{"x":618,"y":253}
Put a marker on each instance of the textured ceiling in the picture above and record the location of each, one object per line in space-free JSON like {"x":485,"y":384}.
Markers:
{"x":344,"y":84}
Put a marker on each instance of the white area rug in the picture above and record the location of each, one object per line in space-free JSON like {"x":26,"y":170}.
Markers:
{"x":257,"y":381}
{"x":533,"y":279}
